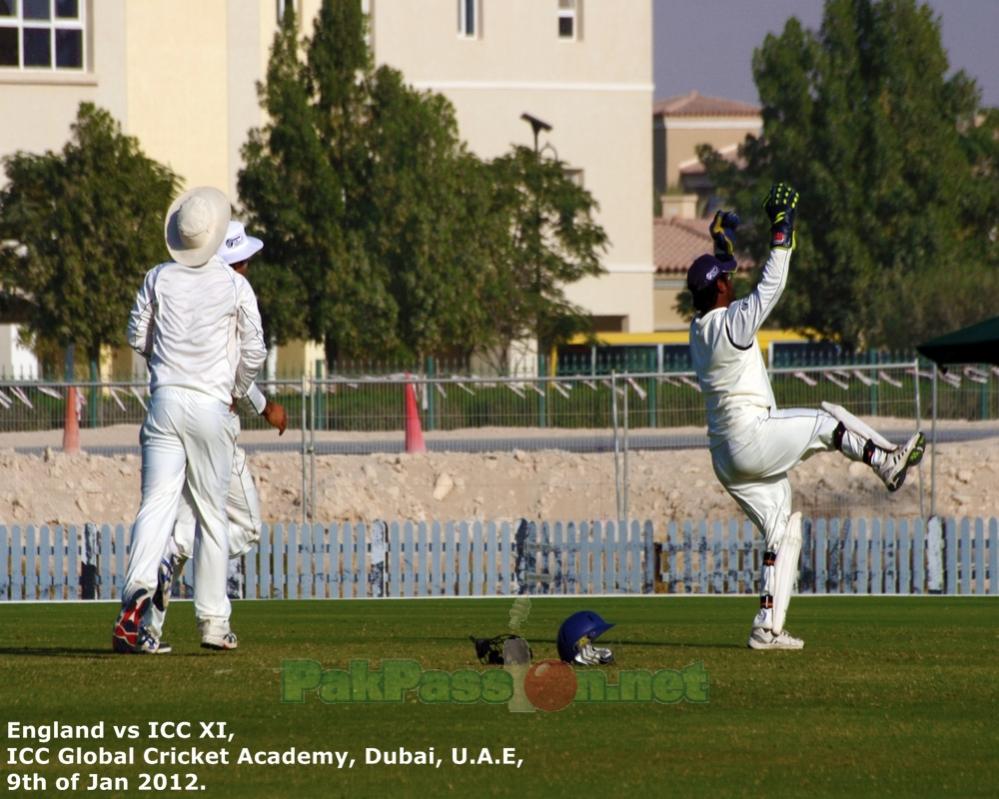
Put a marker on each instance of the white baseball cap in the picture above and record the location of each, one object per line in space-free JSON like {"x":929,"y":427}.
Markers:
{"x":195,"y":225}
{"x":237,"y":246}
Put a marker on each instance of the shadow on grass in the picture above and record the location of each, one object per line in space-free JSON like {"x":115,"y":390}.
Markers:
{"x":80,"y":652}
{"x":686,"y":645}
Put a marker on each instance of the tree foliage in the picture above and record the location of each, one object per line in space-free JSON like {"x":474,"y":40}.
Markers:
{"x":384,"y":235}
{"x":549,"y":239}
{"x":896,"y":164}
{"x":80,"y":228}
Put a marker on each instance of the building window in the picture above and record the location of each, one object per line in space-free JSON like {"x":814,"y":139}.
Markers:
{"x":468,"y":19}
{"x":574,"y":175}
{"x":569,"y":13}
{"x":42,"y":34}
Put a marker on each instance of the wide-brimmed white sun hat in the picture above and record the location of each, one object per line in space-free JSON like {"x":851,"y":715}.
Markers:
{"x":196,"y":225}
{"x":237,"y":246}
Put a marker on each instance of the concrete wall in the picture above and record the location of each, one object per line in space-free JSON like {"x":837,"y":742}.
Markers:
{"x":177,"y":92}
{"x":15,"y":360}
{"x":666,"y":293}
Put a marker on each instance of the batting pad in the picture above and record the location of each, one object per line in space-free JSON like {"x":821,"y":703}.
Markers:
{"x":786,"y":570}
{"x":855,"y":425}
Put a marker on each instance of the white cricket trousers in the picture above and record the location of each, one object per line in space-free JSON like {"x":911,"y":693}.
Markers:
{"x":756,"y":474}
{"x":242,"y":508}
{"x":187,"y":436}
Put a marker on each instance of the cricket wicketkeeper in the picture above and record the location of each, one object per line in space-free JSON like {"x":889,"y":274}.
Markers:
{"x":753,"y":444}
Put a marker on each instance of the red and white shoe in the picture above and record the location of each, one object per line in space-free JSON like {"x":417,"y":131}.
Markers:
{"x":128,"y":625}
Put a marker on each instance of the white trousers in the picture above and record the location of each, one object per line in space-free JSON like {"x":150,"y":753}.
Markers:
{"x":242,"y":507}
{"x":187,"y":436}
{"x":756,"y":474}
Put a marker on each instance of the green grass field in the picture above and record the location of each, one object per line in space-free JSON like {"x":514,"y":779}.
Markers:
{"x":891,"y":697}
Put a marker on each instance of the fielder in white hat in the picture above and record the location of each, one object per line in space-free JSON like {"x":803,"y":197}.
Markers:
{"x":196,"y":225}
{"x":196,"y":322}
{"x":237,"y":247}
{"x":242,"y":503}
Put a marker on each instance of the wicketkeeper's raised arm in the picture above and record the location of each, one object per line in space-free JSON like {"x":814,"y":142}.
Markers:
{"x":142,"y":317}
{"x":745,"y":317}
{"x":252,"y":351}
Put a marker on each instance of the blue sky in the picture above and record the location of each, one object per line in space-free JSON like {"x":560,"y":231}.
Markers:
{"x":708,"y":44}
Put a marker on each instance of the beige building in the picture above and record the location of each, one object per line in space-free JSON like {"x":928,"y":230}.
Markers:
{"x":180,"y":75}
{"x":679,"y":125}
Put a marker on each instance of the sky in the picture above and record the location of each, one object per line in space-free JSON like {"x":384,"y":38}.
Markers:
{"x":708,"y":44}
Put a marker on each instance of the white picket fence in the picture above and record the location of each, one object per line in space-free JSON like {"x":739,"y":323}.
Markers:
{"x":405,"y":559}
{"x":839,"y":556}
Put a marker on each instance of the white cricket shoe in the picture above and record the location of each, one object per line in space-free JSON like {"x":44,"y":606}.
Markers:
{"x":216,"y":636}
{"x":590,"y":655}
{"x":762,"y":638}
{"x":147,"y":644}
{"x":897,"y":462}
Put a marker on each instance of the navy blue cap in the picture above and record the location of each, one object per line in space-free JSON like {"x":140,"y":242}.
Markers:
{"x":706,"y":270}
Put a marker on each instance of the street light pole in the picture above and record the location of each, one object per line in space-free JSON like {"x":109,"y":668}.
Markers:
{"x":537,"y":125}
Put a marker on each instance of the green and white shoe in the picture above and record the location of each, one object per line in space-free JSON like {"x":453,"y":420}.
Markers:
{"x":897,"y":462}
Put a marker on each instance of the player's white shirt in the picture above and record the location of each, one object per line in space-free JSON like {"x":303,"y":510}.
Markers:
{"x":728,"y":361}
{"x":199,"y":327}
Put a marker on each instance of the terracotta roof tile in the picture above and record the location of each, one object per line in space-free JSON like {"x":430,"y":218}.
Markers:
{"x":695,"y":104}
{"x":677,"y":242}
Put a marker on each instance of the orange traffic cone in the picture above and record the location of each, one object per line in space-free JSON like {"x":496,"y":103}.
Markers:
{"x":414,"y":431}
{"x":71,"y":425}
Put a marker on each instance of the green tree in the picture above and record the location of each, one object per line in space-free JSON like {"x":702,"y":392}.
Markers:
{"x":80,"y":229}
{"x":294,"y":200}
{"x":385,"y":236}
{"x":552,"y":240}
{"x":350,"y":178}
{"x":896,"y":166}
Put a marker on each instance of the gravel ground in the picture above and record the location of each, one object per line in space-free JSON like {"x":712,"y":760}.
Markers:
{"x":663,"y":485}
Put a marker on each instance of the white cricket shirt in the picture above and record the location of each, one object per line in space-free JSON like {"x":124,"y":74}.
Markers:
{"x":198,"y":327}
{"x":728,"y":361}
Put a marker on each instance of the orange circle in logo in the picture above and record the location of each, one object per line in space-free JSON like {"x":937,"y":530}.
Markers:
{"x":550,"y":684}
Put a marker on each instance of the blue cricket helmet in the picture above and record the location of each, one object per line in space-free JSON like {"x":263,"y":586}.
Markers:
{"x":578,"y":632}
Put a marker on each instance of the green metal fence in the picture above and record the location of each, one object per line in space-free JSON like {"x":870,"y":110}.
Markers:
{"x":658,"y":400}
